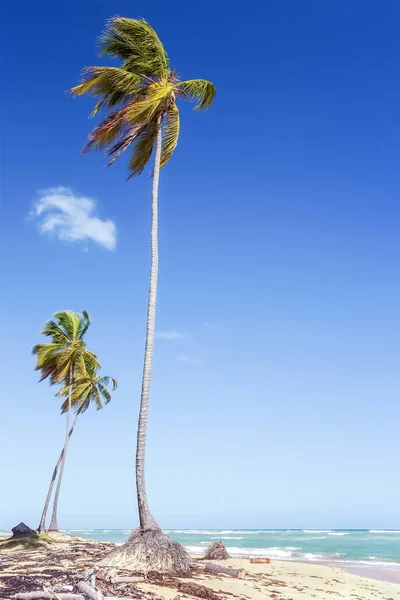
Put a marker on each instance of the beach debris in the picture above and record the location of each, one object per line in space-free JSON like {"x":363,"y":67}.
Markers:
{"x":22,"y":530}
{"x":107,"y":574}
{"x":125,"y":579}
{"x":42,"y":595}
{"x":89,"y":591}
{"x":217,"y":551}
{"x":200,"y":591}
{"x":147,"y":551}
{"x":47,"y":595}
{"x":213,"y":568}
{"x":260,"y":561}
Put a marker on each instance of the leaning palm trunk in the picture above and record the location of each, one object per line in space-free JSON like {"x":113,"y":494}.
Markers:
{"x":42,"y":524}
{"x":53,"y":522}
{"x":148,"y":549}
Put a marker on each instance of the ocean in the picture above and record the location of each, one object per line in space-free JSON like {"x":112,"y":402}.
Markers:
{"x":348,"y":548}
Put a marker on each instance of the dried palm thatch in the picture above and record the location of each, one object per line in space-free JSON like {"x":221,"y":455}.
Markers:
{"x":217,"y":551}
{"x":150,"y":551}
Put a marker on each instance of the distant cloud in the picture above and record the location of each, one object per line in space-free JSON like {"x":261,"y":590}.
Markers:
{"x":188,"y":359}
{"x":172,"y":334}
{"x":212,"y":325}
{"x":69,"y":216}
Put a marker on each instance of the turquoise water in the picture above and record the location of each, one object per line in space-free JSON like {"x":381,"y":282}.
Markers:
{"x":361,"y":548}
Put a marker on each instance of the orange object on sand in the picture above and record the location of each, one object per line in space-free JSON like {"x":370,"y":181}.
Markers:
{"x":260,"y":561}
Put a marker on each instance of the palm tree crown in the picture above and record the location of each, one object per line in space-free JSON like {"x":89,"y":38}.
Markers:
{"x":89,"y":389}
{"x":143,"y":90}
{"x":67,"y":348}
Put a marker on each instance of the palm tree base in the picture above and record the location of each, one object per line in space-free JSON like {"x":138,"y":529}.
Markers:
{"x":150,"y":551}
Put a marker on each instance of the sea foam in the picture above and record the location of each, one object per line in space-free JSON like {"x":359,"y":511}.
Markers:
{"x":384,"y":531}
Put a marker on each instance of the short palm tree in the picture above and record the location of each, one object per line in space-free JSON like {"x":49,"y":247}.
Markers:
{"x":141,"y":97}
{"x":88,"y":389}
{"x":62,"y":360}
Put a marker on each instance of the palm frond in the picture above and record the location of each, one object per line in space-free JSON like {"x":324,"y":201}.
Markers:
{"x":170,"y":134}
{"x":103,"y":81}
{"x":41,"y":350}
{"x":105,"y":380}
{"x":108,"y":130}
{"x":69,"y":321}
{"x":136,"y":42}
{"x":143,"y":148}
{"x":96,"y":397}
{"x":104,"y":393}
{"x":198,"y":90}
{"x":84,"y":323}
{"x":59,"y":335}
{"x":156,"y":99}
{"x":123,"y":142}
{"x":111,"y":100}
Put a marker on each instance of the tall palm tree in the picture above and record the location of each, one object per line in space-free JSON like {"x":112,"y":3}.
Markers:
{"x":142,"y":93}
{"x":62,"y":360}
{"x":88,"y":389}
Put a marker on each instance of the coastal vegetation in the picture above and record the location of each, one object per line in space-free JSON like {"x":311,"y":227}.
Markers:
{"x":140,"y":98}
{"x":66,"y":361}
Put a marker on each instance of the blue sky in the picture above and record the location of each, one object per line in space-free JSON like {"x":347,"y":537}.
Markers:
{"x":275,"y":399}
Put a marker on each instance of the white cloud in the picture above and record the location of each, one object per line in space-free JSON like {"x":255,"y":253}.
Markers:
{"x":69,"y":216}
{"x":212,"y":325}
{"x":172,"y":334}
{"x":188,"y":359}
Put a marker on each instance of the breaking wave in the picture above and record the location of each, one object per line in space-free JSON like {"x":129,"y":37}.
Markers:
{"x":384,"y":531}
{"x":316,"y":530}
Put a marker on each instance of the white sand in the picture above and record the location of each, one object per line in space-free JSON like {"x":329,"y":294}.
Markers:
{"x":290,"y":581}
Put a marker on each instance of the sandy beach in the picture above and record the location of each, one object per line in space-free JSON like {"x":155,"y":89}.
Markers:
{"x":282,"y":580}
{"x":65,"y":560}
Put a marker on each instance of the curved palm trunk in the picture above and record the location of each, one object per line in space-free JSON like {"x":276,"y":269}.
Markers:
{"x":53,"y":522}
{"x":42,"y":524}
{"x":147,"y":522}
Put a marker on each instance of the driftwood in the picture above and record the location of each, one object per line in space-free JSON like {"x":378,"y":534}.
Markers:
{"x":107,"y":574}
{"x":213,"y":568}
{"x":217,"y":551}
{"x":87,"y":573}
{"x":46,"y":596}
{"x":86,"y":589}
{"x":260,"y":561}
{"x":93,"y":580}
{"x":89,"y":591}
{"x":123,"y":579}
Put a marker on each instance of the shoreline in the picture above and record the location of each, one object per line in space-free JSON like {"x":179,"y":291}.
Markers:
{"x":28,"y":569}
{"x":375,"y":574}
{"x":363,"y":570}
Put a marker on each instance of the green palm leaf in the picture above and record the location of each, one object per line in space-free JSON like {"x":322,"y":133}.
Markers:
{"x":59,"y":335}
{"x":100,"y":81}
{"x":136,"y":42}
{"x":69,"y":321}
{"x":142,"y":150}
{"x":88,"y":388}
{"x":170,"y":134}
{"x":199,"y":90}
